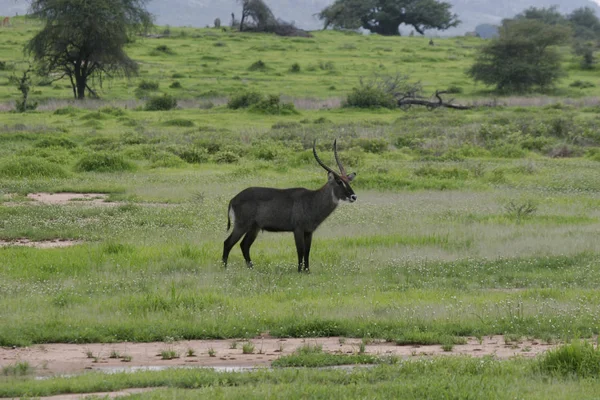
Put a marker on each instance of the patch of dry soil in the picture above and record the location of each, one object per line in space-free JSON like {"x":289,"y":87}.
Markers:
{"x":70,"y":198}
{"x":40,"y":244}
{"x":56,"y":359}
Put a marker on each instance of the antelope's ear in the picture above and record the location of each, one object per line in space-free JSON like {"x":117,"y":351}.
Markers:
{"x":351,"y":176}
{"x":330,"y":176}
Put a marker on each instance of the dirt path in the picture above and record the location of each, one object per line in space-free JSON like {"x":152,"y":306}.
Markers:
{"x":56,"y":359}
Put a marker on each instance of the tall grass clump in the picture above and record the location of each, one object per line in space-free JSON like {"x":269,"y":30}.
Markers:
{"x":103,"y":162}
{"x":581,"y":359}
{"x":31,"y":167}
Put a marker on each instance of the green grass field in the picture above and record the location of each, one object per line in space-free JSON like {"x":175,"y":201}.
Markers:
{"x":468,"y":223}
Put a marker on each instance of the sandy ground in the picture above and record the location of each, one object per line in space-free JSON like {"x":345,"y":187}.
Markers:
{"x":69,"y":198}
{"x":40,"y":244}
{"x":58,"y":359}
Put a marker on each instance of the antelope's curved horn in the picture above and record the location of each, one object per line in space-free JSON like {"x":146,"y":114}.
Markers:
{"x":321,"y":163}
{"x":337,"y":159}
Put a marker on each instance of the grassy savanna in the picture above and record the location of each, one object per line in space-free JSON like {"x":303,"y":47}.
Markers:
{"x":473,"y":222}
{"x":208,"y":63}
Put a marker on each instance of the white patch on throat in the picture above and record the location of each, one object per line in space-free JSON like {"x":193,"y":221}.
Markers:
{"x":335,"y":199}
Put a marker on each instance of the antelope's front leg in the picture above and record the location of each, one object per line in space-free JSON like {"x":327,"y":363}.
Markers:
{"x":299,"y":238}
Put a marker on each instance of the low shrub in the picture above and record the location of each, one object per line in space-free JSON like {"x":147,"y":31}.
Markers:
{"x":295,"y":67}
{"x":375,"y":145}
{"x":194,"y":155}
{"x":244,"y":100}
{"x":186,"y":123}
{"x":369,"y":97}
{"x":175,"y":85}
{"x":55,"y":142}
{"x":31,"y":167}
{"x":163,"y":49}
{"x":273,"y":105}
{"x":454,"y":89}
{"x":161,"y":103}
{"x":429,"y":171}
{"x":164,"y":159}
{"x":258,"y":66}
{"x":148,"y":85}
{"x":103,"y":162}
{"x":226,"y":157}
{"x":114,"y":111}
{"x":582,"y":84}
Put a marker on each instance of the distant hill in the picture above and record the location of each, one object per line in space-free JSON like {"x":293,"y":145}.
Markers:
{"x":203,"y":12}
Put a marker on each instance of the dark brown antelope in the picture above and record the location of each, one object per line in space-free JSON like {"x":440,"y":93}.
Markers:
{"x":295,"y":210}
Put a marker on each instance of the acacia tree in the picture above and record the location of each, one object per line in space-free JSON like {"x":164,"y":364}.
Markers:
{"x":385,"y":16}
{"x":522,"y":56}
{"x":84,"y":39}
{"x":260,"y":14}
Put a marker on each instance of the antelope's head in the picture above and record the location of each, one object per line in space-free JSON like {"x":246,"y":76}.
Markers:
{"x":340,"y":182}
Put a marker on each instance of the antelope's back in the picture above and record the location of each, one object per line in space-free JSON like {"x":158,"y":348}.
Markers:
{"x":268,"y":208}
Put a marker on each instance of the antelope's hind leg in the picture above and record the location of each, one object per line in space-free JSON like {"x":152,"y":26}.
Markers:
{"x":235,"y":236}
{"x":247,"y":242}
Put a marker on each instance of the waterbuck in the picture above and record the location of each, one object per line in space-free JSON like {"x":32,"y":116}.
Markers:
{"x":295,"y":210}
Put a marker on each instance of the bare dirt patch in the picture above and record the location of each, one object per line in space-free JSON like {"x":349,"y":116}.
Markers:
{"x":70,"y":198}
{"x":40,"y":244}
{"x":57,"y":359}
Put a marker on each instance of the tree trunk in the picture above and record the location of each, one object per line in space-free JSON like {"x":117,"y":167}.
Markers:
{"x":385,"y":28}
{"x":81,"y":83}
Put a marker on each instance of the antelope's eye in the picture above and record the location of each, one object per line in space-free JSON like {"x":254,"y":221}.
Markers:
{"x":338,"y":181}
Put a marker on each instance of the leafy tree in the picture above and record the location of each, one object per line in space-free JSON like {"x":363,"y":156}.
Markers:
{"x":585,"y":23}
{"x":258,"y":12}
{"x":385,"y":16}
{"x":84,"y":39}
{"x":522,"y":56}
{"x":549,"y":15}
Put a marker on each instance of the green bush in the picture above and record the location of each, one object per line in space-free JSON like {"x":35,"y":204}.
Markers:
{"x":508,"y":150}
{"x":272,"y":105}
{"x":103,"y":143}
{"x":375,"y":145}
{"x":258,"y":66}
{"x":31,"y":167}
{"x":148,"y":85}
{"x":114,"y":111}
{"x":179,"y":122}
{"x":366,"y":96}
{"x":429,"y":171}
{"x":226,"y":157}
{"x":161,"y":103}
{"x":163,"y":49}
{"x":582,"y":84}
{"x":57,"y":155}
{"x":295,"y":67}
{"x":175,"y":85}
{"x":69,"y":110}
{"x":194,"y":155}
{"x":454,"y":89}
{"x":103,"y":162}
{"x":244,"y":100}
{"x":164,"y":159}
{"x":55,"y":142}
